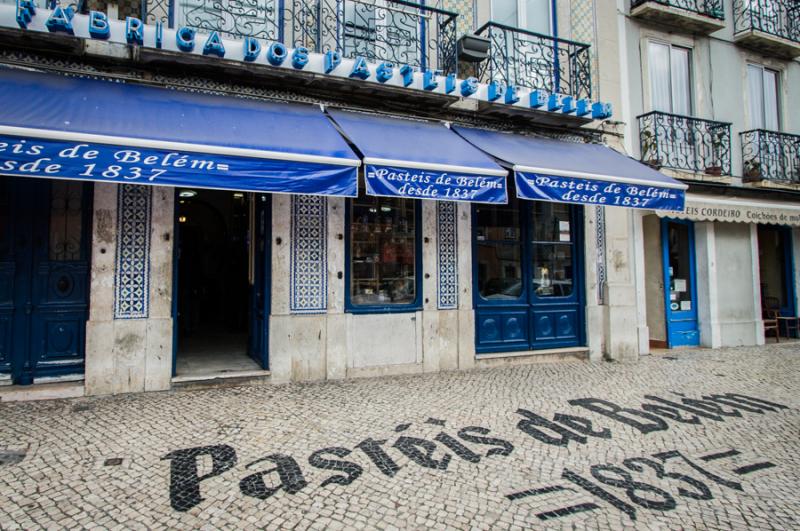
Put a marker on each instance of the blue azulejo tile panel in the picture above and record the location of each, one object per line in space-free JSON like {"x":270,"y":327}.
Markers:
{"x":447,"y":254}
{"x":506,"y":328}
{"x":308,"y":290}
{"x":132,"y":275}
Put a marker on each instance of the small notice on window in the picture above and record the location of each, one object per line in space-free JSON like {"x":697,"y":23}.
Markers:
{"x":680,"y":285}
{"x":563,"y":228}
{"x":686,"y":306}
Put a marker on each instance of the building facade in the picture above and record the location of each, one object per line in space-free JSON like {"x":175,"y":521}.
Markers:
{"x":709,"y":92}
{"x":339,"y":272}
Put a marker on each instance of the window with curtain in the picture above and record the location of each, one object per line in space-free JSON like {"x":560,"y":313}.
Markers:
{"x":763,"y":91}
{"x":670,"y":78}
{"x":532,"y":15}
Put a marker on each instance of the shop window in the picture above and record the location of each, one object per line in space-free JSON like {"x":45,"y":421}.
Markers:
{"x":384,"y":248}
{"x":5,"y":217}
{"x":552,"y":250}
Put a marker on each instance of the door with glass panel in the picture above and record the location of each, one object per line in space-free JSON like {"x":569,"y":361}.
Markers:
{"x":44,"y":268}
{"x":531,"y":60}
{"x":528,"y":281}
{"x":673,"y":142}
{"x":680,"y":293}
{"x":382,"y":31}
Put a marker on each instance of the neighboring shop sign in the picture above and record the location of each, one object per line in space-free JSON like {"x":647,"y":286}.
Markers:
{"x":187,"y":40}
{"x":55,"y":159}
{"x":444,"y":186}
{"x":700,"y":208}
{"x":596,"y":192}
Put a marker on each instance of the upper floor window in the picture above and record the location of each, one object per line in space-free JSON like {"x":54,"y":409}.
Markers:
{"x":532,"y":15}
{"x":763,"y":86}
{"x":670,"y":78}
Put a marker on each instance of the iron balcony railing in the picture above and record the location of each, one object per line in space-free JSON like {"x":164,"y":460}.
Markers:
{"x":396,"y":31}
{"x":527,"y":59}
{"x":685,"y":143}
{"x":770,"y":155}
{"x":708,"y":8}
{"x":780,"y":18}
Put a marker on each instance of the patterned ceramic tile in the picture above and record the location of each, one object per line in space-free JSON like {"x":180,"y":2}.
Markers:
{"x":583,"y":21}
{"x":600,"y":236}
{"x":132,"y":275}
{"x":309,"y":255}
{"x":447,"y":255}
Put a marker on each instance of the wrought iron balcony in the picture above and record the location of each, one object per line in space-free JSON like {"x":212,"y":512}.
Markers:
{"x":527,"y":59}
{"x":702,"y":16}
{"x":397,"y":31}
{"x":685,"y":143}
{"x":771,"y":156}
{"x":771,"y":26}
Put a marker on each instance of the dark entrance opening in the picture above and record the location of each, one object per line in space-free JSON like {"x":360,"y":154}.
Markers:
{"x":776,"y":274}
{"x":215,"y":283}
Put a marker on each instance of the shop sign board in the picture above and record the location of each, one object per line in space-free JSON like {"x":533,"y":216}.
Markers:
{"x":597,"y":192}
{"x":331,"y":64}
{"x":444,"y":186}
{"x":738,"y":211}
{"x":57,"y":159}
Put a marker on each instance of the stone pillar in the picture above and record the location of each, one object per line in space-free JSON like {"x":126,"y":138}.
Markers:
{"x":621,"y":342}
{"x":129,"y":332}
{"x":707,"y":284}
{"x":595,"y":271}
{"x":755,"y":276}
{"x":642,"y":330}
{"x":466,"y":312}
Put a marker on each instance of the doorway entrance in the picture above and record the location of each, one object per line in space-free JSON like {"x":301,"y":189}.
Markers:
{"x":776,"y":266}
{"x":44,"y":268}
{"x":221,"y":302}
{"x":680,"y":292}
{"x":528,"y":276}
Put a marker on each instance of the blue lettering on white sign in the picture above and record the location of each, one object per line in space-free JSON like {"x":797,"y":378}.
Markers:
{"x":595,"y":192}
{"x":392,"y":181}
{"x":54,"y":159}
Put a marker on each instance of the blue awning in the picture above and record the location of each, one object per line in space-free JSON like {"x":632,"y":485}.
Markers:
{"x":567,"y":172}
{"x":76,"y":128}
{"x":418,"y":159}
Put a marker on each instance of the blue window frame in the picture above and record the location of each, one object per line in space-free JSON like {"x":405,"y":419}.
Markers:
{"x":680,"y":282}
{"x":528,"y":276}
{"x":383,"y":258}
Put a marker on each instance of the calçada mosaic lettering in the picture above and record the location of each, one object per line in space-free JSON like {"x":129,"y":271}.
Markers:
{"x":266,"y":476}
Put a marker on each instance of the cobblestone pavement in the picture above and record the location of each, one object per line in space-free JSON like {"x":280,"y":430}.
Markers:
{"x":689,"y":439}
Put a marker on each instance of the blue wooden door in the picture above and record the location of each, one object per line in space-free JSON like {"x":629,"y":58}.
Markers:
{"x":258,"y":342}
{"x":680,"y":291}
{"x":527,"y":276}
{"x":44,"y":268}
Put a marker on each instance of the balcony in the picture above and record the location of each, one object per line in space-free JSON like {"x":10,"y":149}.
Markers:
{"x":400,"y":32}
{"x":768,"y":26}
{"x":770,"y":156}
{"x":691,"y":16}
{"x":685,"y":143}
{"x":527,"y":59}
